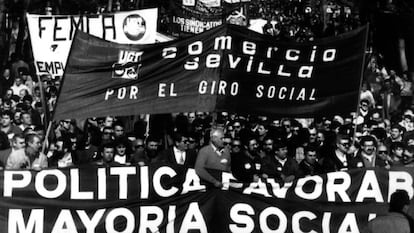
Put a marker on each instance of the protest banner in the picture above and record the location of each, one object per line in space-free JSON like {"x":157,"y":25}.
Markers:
{"x":51,"y":35}
{"x":228,"y":68}
{"x":194,"y":16}
{"x":168,"y":199}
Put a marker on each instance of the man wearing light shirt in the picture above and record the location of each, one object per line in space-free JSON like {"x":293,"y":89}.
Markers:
{"x":179,"y":154}
{"x":213,"y":156}
{"x":366,"y":156}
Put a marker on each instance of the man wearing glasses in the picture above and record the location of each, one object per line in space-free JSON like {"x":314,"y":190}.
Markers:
{"x":179,"y":154}
{"x":366,"y":156}
{"x":338,"y":158}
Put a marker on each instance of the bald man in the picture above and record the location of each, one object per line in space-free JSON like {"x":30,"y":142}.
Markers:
{"x":213,"y":156}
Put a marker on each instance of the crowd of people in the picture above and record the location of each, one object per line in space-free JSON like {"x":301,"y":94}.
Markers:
{"x":251,"y":147}
{"x":379,"y":134}
{"x":304,"y":20}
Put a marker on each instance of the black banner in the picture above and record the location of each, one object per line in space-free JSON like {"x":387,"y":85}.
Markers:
{"x":228,"y":68}
{"x":167,"y":199}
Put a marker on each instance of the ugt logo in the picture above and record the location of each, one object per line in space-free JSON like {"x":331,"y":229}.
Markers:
{"x":128,"y":65}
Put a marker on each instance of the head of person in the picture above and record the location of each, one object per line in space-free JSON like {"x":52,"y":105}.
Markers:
{"x":237,"y":126}
{"x":191,"y":117}
{"x":18,"y":142}
{"x":6,"y":118}
{"x":396,"y":131}
{"x":312,"y":134}
{"x":120,"y":147}
{"x":281,"y":150}
{"x":152,"y":144}
{"x":108,"y":152}
{"x":262,"y":129}
{"x":108,"y":121}
{"x":26,"y":118}
{"x":397,"y":149}
{"x":382,"y":152}
{"x":311,"y":154}
{"x":18,"y":81}
{"x":138,"y":145}
{"x":107,"y":133}
{"x":268,"y":145}
{"x":7,"y":104}
{"x":65,"y":124}
{"x":216,"y":137}
{"x":343,"y":143}
{"x":252,"y":145}
{"x":193,"y":141}
{"x":40,"y":131}
{"x":119,"y":129}
{"x":368,"y":145}
{"x":180,"y":141}
{"x":34,"y":142}
{"x":399,"y":201}
{"x":287,"y":126}
{"x":227,"y":140}
{"x":16,"y":118}
{"x":236,"y":145}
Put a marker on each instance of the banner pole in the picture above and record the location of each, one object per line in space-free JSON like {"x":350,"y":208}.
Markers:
{"x":360,"y":84}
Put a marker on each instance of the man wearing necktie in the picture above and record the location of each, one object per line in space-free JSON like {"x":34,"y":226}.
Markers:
{"x":179,"y":154}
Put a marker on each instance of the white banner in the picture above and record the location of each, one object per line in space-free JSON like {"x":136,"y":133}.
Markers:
{"x":51,"y":36}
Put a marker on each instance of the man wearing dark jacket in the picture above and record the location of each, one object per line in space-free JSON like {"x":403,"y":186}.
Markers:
{"x":280,"y":166}
{"x":179,"y":154}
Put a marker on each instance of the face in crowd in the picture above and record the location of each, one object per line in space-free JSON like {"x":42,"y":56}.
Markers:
{"x":311,"y":157}
{"x":182,"y":144}
{"x":18,"y":143}
{"x":120,"y":149}
{"x":343,"y":145}
{"x":236,"y":146}
{"x":138,"y":145}
{"x":217,"y":136}
{"x":382,"y":152}
{"x":368,"y":147}
{"x":35,"y":143}
{"x":108,"y":154}
{"x":281,"y":152}
{"x":268,"y":145}
{"x":253,"y":146}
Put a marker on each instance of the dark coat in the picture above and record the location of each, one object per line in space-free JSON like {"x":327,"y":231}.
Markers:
{"x":167,"y":156}
{"x":307,"y":169}
{"x":274,"y":169}
{"x":331,"y":163}
{"x":244,"y":166}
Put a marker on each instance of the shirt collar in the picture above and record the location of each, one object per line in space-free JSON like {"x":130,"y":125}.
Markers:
{"x":219,"y":152}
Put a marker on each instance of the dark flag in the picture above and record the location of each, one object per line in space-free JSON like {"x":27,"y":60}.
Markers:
{"x":228,"y":68}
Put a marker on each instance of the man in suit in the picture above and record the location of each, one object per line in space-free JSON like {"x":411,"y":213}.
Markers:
{"x":179,"y":154}
{"x":337,"y":159}
{"x":213,"y":156}
{"x":367,"y":154}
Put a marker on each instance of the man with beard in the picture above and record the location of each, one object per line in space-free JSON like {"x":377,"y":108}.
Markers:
{"x":149,"y":154}
{"x":366,"y":156}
